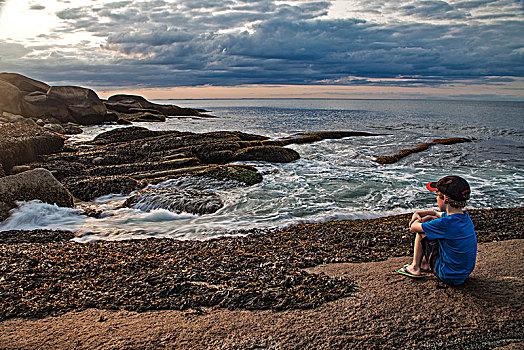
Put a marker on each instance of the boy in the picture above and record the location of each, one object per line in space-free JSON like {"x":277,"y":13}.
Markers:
{"x":446,"y":242}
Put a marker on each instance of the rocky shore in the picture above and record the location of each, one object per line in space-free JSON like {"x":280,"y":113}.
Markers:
{"x":129,"y":158}
{"x":45,"y":274}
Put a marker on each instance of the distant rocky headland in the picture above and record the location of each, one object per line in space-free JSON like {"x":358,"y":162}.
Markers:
{"x":69,"y":106}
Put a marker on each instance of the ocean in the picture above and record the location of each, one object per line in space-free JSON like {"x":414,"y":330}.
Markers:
{"x":333,"y":179}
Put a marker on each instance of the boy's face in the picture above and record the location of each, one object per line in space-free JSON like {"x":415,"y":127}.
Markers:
{"x":441,"y":201}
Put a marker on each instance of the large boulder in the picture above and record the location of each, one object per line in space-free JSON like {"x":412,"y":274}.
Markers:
{"x":10,"y":98}
{"x":29,"y":185}
{"x":35,"y":99}
{"x":42,"y":105}
{"x":175,"y":200}
{"x":24,"y":83}
{"x":22,"y":143}
{"x":83,"y":104}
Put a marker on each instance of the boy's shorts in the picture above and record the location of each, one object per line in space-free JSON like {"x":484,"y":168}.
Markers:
{"x":430,"y":249}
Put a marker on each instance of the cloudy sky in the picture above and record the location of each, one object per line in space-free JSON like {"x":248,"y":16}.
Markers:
{"x":465,"y":49}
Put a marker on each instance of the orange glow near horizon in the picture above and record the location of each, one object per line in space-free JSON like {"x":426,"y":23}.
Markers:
{"x":514,"y":90}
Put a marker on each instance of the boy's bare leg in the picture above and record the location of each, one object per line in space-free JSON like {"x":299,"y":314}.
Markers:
{"x":419,"y":261}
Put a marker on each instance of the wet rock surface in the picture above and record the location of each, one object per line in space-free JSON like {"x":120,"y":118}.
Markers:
{"x":175,"y":200}
{"x":262,"y":270}
{"x":420,"y":148}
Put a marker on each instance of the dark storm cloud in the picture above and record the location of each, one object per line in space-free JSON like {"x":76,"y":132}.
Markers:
{"x":472,"y":4}
{"x":16,"y":51}
{"x":185,"y":43}
{"x":73,"y":13}
{"x":433,"y":10}
{"x":37,"y":7}
{"x":159,"y":37}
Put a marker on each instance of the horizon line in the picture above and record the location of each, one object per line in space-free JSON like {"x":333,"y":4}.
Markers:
{"x":330,"y":98}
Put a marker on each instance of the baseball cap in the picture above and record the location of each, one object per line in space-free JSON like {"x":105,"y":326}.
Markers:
{"x":452,"y":186}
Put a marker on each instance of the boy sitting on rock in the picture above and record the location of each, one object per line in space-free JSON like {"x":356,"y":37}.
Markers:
{"x":446,"y":243}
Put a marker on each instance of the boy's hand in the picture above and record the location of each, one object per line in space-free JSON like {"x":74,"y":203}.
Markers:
{"x":414,"y":218}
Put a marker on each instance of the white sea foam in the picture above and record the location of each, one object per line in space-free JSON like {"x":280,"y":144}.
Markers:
{"x":34,"y":215}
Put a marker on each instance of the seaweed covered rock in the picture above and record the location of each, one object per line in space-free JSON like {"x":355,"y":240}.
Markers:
{"x":311,"y":137}
{"x":126,"y":159}
{"x":128,"y":134}
{"x":89,"y":188}
{"x":175,"y":200}
{"x":33,"y":184}
{"x":420,"y":148}
{"x":275,"y":154}
{"x":22,"y":143}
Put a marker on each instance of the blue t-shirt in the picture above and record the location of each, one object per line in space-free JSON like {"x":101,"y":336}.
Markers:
{"x":457,"y":246}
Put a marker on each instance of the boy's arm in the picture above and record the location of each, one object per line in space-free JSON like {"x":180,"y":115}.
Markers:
{"x":416,"y":226}
{"x":419,"y":215}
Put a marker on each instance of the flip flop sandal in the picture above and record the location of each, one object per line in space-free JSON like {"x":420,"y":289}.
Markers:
{"x":421,"y":270}
{"x":403,"y":271}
